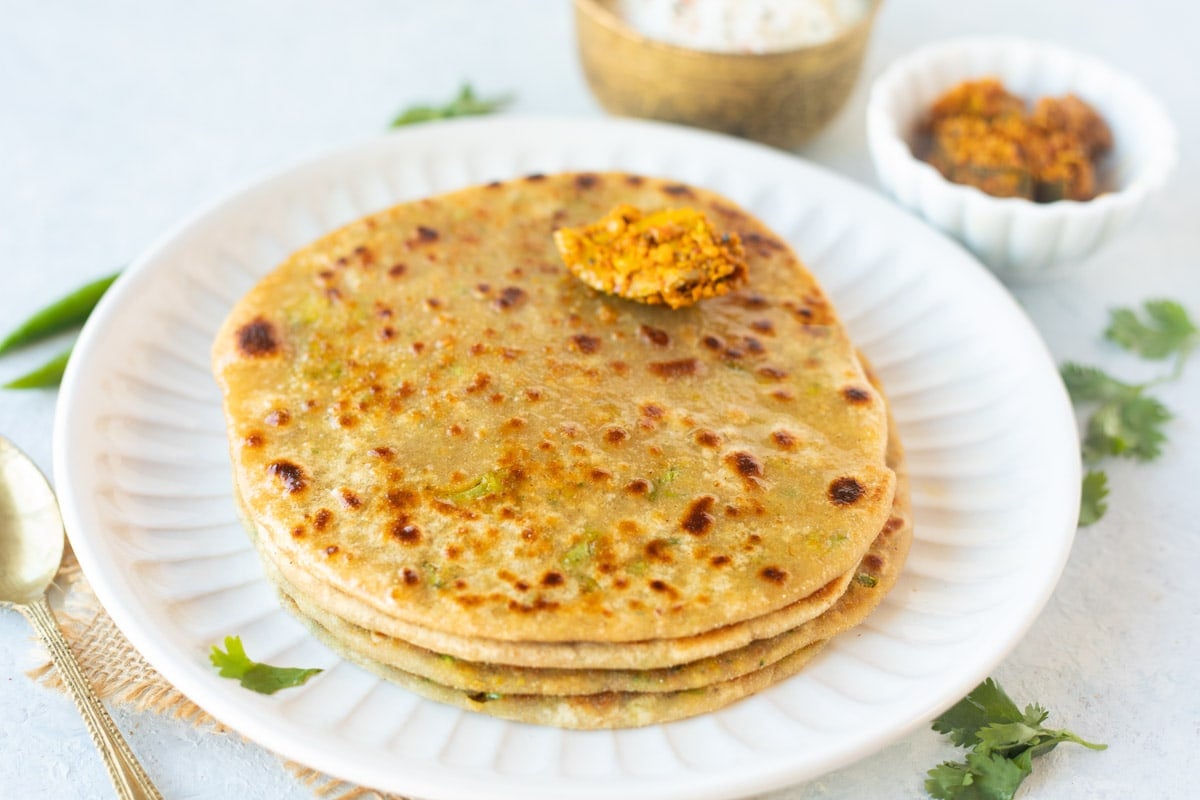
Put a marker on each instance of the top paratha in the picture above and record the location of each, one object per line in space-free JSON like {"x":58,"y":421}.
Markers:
{"x":428,"y":413}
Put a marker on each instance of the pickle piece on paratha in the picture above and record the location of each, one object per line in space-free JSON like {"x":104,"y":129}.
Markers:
{"x":431,"y":417}
{"x":673,"y":256}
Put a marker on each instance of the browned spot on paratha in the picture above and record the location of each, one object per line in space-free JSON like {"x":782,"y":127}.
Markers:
{"x":257,"y":338}
{"x":845,"y":491}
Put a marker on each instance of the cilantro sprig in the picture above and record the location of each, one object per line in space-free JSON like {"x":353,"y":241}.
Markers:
{"x":232,"y":662}
{"x":1003,"y":739}
{"x":464,"y":104}
{"x":1167,"y":330}
{"x":1126,"y":421}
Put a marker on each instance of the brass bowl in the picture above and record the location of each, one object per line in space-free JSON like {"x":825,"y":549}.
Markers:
{"x":780,"y":98}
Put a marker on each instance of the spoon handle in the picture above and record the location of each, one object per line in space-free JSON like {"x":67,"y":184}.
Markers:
{"x":128,"y":777}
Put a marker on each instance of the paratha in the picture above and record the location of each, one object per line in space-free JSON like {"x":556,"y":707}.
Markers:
{"x":874,"y":576}
{"x":578,"y":654}
{"x":430,"y":417}
{"x":588,"y":711}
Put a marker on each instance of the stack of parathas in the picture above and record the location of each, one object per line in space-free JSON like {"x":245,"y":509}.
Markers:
{"x":486,"y":481}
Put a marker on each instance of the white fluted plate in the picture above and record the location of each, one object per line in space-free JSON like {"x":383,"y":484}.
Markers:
{"x":143,"y":472}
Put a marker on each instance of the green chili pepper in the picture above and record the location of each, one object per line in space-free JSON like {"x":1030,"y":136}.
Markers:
{"x":67,"y":312}
{"x":46,"y":376}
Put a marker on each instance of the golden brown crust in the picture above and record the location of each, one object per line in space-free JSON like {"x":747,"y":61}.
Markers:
{"x":600,"y":698}
{"x":453,"y":432}
{"x":873,"y":578}
{"x":635,"y":655}
{"x":615,"y":709}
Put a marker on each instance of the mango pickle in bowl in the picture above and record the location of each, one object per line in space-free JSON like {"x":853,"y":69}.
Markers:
{"x":1032,"y":156}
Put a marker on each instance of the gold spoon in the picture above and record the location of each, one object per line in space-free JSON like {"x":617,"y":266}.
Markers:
{"x":31,"y":547}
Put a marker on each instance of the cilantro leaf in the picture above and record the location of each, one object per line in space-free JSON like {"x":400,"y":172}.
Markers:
{"x":1004,"y":742}
{"x":233,"y":663}
{"x":997,"y":777}
{"x":1092,"y":506}
{"x":1008,"y":738}
{"x":265,"y":679}
{"x":985,"y":704}
{"x":1167,"y":330}
{"x":1128,"y":422}
{"x":1131,"y":428}
{"x":262,"y":678}
{"x":984,"y":776}
{"x":1090,"y":385}
{"x":949,"y":780}
{"x":465,"y":104}
{"x":1143,"y":418}
{"x":1034,"y":714}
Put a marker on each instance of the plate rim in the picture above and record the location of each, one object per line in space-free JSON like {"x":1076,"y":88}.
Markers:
{"x":183,"y":674}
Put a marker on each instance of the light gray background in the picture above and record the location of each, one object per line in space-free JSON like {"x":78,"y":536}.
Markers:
{"x":120,"y":118}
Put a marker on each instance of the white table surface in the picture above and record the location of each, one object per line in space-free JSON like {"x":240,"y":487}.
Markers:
{"x":118,"y":119}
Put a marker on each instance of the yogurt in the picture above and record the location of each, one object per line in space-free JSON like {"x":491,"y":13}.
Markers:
{"x":742,"y":26}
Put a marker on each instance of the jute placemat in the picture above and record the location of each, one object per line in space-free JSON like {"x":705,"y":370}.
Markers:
{"x":122,"y":677}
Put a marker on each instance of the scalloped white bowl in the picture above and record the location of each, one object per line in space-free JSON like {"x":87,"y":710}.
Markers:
{"x":1018,"y":239}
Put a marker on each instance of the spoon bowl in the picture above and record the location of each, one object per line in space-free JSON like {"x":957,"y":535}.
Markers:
{"x":31,"y":528}
{"x":31,"y":549}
